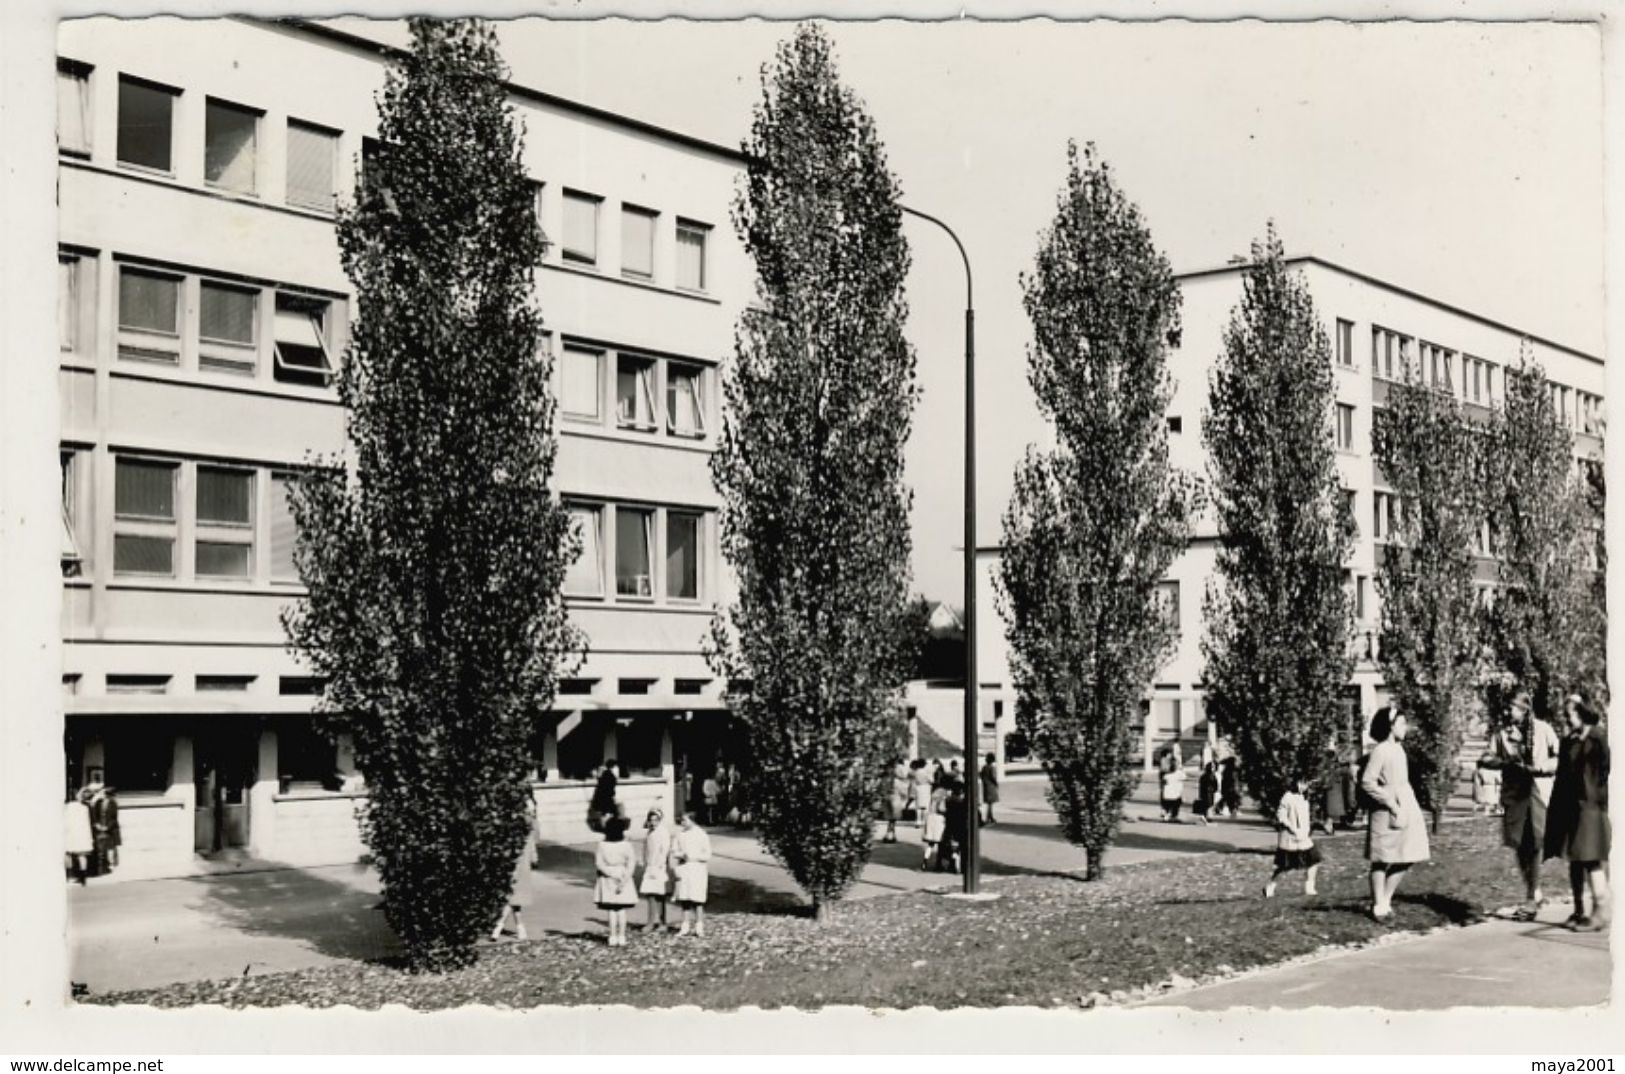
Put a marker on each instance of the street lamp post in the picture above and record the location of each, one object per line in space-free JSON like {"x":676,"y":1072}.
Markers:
{"x":973,"y":817}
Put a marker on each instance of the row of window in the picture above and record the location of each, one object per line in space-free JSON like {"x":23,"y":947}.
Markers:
{"x":620,"y":541}
{"x":219,"y":325}
{"x":642,"y":235}
{"x":641,"y":382}
{"x":183,"y":519}
{"x":232,"y":161}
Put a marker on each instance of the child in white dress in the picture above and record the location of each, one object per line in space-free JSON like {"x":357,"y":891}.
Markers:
{"x":615,"y":861}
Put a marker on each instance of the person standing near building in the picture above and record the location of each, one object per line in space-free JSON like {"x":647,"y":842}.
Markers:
{"x":104,"y":827}
{"x":1171,"y":773}
{"x":1207,"y":792}
{"x":936,"y":820}
{"x":656,"y":884}
{"x":1230,"y":787}
{"x":896,"y":799}
{"x":1525,"y":751}
{"x":691,"y":861}
{"x":615,"y":862}
{"x":990,"y":787}
{"x":1396,"y":837}
{"x":77,"y":838}
{"x":1577,"y":828}
{"x":922,"y":792}
{"x":954,"y":827}
{"x":1294,"y":843}
{"x":605,"y":803}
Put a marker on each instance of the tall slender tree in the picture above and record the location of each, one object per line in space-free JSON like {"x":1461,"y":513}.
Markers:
{"x":1277,"y":645}
{"x":433,"y":550}
{"x":1093,"y":525}
{"x":1429,"y":648}
{"x":1544,"y":632}
{"x":819,"y":395}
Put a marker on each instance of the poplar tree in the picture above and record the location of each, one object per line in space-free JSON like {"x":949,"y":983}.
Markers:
{"x":1278,"y":619}
{"x":1093,"y":525}
{"x":815,"y":515}
{"x":1545,"y":630}
{"x":1429,"y":452}
{"x":433,"y":550}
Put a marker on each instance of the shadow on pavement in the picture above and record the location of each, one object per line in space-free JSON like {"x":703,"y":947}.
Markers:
{"x":335,"y":919}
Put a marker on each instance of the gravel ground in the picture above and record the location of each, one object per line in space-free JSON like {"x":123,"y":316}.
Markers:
{"x":1046,"y":941}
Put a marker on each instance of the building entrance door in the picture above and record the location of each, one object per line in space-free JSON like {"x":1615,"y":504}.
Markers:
{"x":223,"y":771}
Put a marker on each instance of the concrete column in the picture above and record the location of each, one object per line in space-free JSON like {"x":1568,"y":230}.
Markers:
{"x":612,"y":745}
{"x":262,"y":799}
{"x":181,"y":774}
{"x":550,"y":755}
{"x":668,"y":769}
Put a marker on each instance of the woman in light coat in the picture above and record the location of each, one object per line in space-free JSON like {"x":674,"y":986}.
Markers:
{"x":691,"y":863}
{"x":1396,"y":837}
{"x":519,"y":888}
{"x":76,"y":835}
{"x":656,"y":884}
{"x":616,"y":863}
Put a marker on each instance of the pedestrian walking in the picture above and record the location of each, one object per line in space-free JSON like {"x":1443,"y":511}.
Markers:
{"x":1294,"y":842}
{"x":921,"y":792}
{"x":990,"y":787}
{"x":605,"y":803}
{"x":1171,"y":774}
{"x":1525,"y":752}
{"x":1577,"y":827}
{"x":519,"y":885}
{"x":936,"y":819}
{"x":655,"y":886}
{"x":77,"y":838}
{"x":615,"y":862}
{"x":1230,"y":786}
{"x":1207,"y":792}
{"x":896,"y":799}
{"x":1396,"y":835}
{"x":726,"y":783}
{"x":711,"y":793}
{"x":691,"y":864}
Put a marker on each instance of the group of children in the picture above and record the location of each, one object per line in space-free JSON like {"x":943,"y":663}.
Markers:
{"x":676,"y":867}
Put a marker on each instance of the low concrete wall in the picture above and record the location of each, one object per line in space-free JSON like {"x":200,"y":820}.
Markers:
{"x":155,"y":834}
{"x":316,"y":828}
{"x":561,"y":808}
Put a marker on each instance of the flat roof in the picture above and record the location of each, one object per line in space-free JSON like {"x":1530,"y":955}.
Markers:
{"x":1363,"y":277}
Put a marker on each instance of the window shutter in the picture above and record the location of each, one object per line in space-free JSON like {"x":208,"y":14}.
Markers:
{"x":284,"y":531}
{"x":223,"y":496}
{"x":310,"y":167}
{"x":144,"y":489}
{"x":226,"y":314}
{"x":147,"y":303}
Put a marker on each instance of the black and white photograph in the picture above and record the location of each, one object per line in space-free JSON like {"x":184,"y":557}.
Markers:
{"x":648,"y":510}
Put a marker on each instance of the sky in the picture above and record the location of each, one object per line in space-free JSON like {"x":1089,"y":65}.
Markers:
{"x":1460,"y":160}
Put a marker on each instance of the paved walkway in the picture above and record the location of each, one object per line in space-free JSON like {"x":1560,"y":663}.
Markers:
{"x":137,"y":934}
{"x":1487,"y":965}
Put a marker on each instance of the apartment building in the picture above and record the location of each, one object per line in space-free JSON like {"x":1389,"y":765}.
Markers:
{"x":203,"y":313}
{"x":1377,"y":329}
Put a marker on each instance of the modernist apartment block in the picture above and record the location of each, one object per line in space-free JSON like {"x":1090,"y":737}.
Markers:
{"x":203,"y":313}
{"x":1377,"y":330}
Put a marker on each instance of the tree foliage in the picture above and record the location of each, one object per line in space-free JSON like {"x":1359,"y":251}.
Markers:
{"x":1092,"y":526}
{"x":433,"y":551}
{"x":1545,"y":630}
{"x":1277,"y":643}
{"x":1429,"y":452}
{"x":815,"y":523}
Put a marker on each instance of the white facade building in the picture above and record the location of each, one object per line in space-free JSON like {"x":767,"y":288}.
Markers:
{"x":1374,"y":327}
{"x":203,"y":308}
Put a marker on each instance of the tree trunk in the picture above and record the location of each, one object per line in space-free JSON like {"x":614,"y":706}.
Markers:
{"x":823,"y":911}
{"x":1438,"y":817}
{"x":1097,"y":864}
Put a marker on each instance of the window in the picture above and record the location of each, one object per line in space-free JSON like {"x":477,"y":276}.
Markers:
{"x":1351,"y":500}
{"x":301,"y":341}
{"x":229,"y":136}
{"x":144,"y":516}
{"x":284,"y":531}
{"x":582,"y":374}
{"x":1386,"y":517}
{"x":635,"y":392}
{"x":580,"y":228}
{"x":71,"y":558}
{"x":634,"y":540}
{"x":585,"y":577}
{"x":72,"y":108}
{"x":1345,"y":343}
{"x":304,"y":756}
{"x":138,"y":759}
{"x":223,"y":683}
{"x":637,"y":242}
{"x":1360,"y":585}
{"x":225,"y":522}
{"x":1176,"y":425}
{"x":685,"y":400}
{"x":682,"y":556}
{"x":311,"y":153}
{"x":149,"y":316}
{"x":146,"y":125}
{"x":67,"y":301}
{"x":1591,"y":421}
{"x":138,"y":684}
{"x":1345,"y":427}
{"x":1168,"y":600}
{"x":1437,"y":367}
{"x":691,"y":274}
{"x":227,"y":321}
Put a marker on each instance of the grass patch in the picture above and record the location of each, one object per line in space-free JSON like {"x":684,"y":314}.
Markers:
{"x":1048,"y":941}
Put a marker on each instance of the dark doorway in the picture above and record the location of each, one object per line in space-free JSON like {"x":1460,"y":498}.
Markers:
{"x":224,"y":763}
